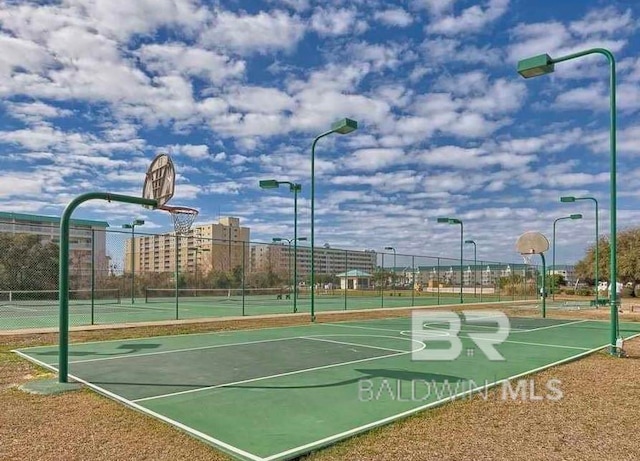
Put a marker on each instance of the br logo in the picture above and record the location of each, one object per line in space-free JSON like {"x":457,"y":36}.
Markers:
{"x":489,"y":328}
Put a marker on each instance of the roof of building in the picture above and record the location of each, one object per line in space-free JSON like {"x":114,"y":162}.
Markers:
{"x":24,"y":217}
{"x":354,"y":273}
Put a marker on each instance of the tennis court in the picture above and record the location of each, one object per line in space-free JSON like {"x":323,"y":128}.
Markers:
{"x":274,"y":394}
{"x":39,"y":309}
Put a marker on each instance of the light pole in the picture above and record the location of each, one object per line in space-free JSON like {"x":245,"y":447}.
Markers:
{"x":394,"y":267}
{"x":475,"y":263}
{"x":344,"y":126}
{"x":571,"y":199}
{"x":295,"y":188}
{"x":295,"y":264}
{"x":197,"y":249}
{"x":553,"y":265}
{"x":457,"y":221}
{"x":132,"y":226}
{"x":544,"y":64}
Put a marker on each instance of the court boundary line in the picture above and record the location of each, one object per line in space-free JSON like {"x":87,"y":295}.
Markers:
{"x":323,"y":339}
{"x":345,"y":434}
{"x":131,"y":404}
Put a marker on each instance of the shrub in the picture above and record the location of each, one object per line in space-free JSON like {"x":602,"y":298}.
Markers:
{"x":627,"y":292}
{"x":568,"y":291}
{"x":584,"y":292}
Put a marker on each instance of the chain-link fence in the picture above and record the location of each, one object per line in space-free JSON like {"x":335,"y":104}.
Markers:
{"x":123,"y":275}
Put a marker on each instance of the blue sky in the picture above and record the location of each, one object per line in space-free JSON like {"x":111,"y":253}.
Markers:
{"x":236,"y":91}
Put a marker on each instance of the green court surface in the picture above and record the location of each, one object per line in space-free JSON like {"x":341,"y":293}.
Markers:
{"x":276,"y":393}
{"x":21,"y":315}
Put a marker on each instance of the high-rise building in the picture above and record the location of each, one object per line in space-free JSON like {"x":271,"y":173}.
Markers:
{"x":220,"y":247}
{"x":279,"y":258}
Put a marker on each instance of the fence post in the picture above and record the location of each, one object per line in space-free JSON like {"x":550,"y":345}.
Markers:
{"x":413,"y":280}
{"x":346,"y":277}
{"x":177,"y":275}
{"x":93,"y":272}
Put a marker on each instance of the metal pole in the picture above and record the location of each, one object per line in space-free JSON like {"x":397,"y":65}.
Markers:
{"x":382,"y":284}
{"x":613,"y":194}
{"x":438,"y":281}
{"x":313,"y":188}
{"x":133,"y":261}
{"x":346,"y":276}
{"x":296,"y":188}
{"x":596,"y":256}
{"x":461,"y":258}
{"x":413,"y":280}
{"x":475,"y":270}
{"x":544,"y":284}
{"x":93,"y":273}
{"x":63,"y":273}
{"x":244,"y":245}
{"x":177,"y":274}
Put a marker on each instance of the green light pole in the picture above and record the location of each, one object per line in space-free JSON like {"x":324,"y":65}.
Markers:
{"x":457,"y":221}
{"x":294,"y":282}
{"x":475,"y":263}
{"x":553,"y":265}
{"x":544,"y":64}
{"x":571,"y":199}
{"x":132,"y":226}
{"x":343,"y":126}
{"x":295,"y":188}
{"x":394,"y":267}
{"x":197,"y":250}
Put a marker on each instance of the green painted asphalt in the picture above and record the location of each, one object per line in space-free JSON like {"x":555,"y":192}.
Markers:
{"x":277,"y":393}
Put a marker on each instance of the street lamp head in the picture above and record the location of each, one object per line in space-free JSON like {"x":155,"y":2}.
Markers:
{"x":389,"y":248}
{"x":295,"y":187}
{"x":576,"y":216}
{"x":127,"y":226}
{"x":470,"y":241}
{"x":568,"y":199}
{"x":344,"y":126}
{"x":535,"y":66}
{"x":449,"y":220}
{"x":269,"y":184}
{"x":302,"y":239}
{"x":138,"y":222}
{"x":276,"y":239}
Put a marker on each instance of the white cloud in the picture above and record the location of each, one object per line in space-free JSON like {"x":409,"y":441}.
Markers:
{"x":397,"y":17}
{"x":373,"y":159}
{"x":246,"y":33}
{"x":472,"y":19}
{"x":333,"y":22}
{"x":187,"y":60}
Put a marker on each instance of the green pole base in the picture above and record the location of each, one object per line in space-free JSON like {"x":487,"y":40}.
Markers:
{"x":48,"y":387}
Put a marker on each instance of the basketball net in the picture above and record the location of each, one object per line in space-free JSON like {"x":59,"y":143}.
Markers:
{"x":528,"y":258}
{"x":183,"y":217}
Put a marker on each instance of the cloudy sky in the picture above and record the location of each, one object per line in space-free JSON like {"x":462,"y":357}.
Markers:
{"x":236,"y":91}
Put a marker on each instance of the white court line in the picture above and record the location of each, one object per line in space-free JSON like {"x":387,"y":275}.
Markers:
{"x":189,"y":430}
{"x":323,"y":339}
{"x":189,"y":349}
{"x":463,"y":333}
{"x":261,"y":378}
{"x":342,"y":435}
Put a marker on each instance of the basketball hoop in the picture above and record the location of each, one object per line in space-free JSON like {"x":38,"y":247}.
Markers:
{"x":528,"y":258}
{"x":159,"y":183}
{"x":183,"y":217}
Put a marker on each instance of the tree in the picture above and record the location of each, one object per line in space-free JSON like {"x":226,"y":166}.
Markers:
{"x":27,"y":264}
{"x":627,"y":255}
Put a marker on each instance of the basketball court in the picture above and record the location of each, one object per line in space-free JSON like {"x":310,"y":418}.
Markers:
{"x":276,"y":393}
